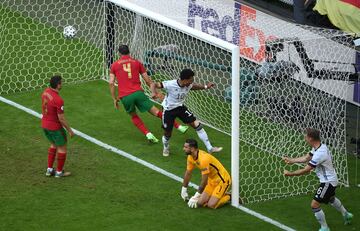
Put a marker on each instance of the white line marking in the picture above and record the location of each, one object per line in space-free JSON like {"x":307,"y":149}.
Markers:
{"x":147,"y":164}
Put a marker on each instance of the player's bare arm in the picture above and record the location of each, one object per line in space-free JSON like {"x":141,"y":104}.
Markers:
{"x":303,"y":159}
{"x":307,"y":169}
{"x":184,"y":194}
{"x":204,"y":181}
{"x":187,"y":178}
{"x":112,"y":90}
{"x":197,"y":86}
{"x":65,"y":124}
{"x":147,"y":79}
{"x":153,"y":87}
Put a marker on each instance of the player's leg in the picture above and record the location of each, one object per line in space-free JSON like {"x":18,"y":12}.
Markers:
{"x":60,"y":142}
{"x":336,"y":203}
{"x":51,"y":159}
{"x":204,"y":137}
{"x":205,"y":195}
{"x":167,"y":124}
{"x":219,"y":197}
{"x":316,"y":208}
{"x":129,"y":102}
{"x":158,"y":113}
{"x":51,"y":152}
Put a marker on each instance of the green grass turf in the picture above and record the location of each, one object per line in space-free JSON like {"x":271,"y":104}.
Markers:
{"x":89,"y":109}
{"x":105,"y":192}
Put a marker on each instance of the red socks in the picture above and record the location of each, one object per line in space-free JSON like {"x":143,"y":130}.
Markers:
{"x":51,"y":157}
{"x":61,"y":157}
{"x":159,"y":114}
{"x":139,"y":124}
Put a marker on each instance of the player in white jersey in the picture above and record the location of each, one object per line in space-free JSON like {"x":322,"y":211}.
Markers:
{"x":319,"y":158}
{"x":173,"y":104}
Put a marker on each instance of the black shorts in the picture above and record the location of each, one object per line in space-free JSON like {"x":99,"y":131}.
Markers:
{"x":180,"y":112}
{"x":324,"y":193}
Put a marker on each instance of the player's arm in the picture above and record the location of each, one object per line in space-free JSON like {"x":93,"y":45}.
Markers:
{"x":184,"y":194}
{"x":65,"y":124}
{"x":197,"y":86}
{"x":187,"y":178}
{"x":204,"y":181}
{"x":147,"y":79}
{"x":307,"y":169}
{"x":303,"y":159}
{"x":112,"y":90}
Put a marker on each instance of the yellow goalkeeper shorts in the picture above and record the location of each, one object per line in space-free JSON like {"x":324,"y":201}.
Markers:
{"x":217,"y":189}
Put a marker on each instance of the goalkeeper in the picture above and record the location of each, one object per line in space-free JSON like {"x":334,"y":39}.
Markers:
{"x":215,"y":180}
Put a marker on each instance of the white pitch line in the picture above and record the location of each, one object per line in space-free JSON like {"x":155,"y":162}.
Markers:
{"x":147,"y":164}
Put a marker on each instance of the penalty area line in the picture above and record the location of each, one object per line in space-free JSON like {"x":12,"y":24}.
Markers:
{"x":146,"y":164}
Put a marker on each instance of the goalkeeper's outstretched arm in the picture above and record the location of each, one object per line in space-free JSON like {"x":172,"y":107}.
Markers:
{"x":187,"y":178}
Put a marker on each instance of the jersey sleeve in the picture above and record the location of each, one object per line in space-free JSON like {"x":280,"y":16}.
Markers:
{"x":189,"y":164}
{"x":60,"y":107}
{"x":165,"y":84}
{"x":317,"y":158}
{"x":205,"y":166}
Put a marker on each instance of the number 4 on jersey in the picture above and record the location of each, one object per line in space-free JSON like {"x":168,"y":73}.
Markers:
{"x":127,"y":68}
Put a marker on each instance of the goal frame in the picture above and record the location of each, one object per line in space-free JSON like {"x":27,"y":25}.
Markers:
{"x":235,"y":80}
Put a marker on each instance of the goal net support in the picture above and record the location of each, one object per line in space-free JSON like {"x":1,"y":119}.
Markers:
{"x":264,"y":106}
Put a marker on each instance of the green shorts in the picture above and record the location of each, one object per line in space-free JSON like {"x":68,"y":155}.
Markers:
{"x":57,"y":137}
{"x":138,"y":99}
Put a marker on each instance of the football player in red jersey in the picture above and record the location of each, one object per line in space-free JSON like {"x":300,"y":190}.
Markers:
{"x":126,"y":71}
{"x":53,"y":123}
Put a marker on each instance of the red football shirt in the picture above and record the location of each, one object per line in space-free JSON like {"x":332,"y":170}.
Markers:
{"x":52,"y":105}
{"x":127,"y":71}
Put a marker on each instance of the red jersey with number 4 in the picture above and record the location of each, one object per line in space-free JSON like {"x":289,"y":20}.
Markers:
{"x":127,"y":71}
{"x":52,"y":105}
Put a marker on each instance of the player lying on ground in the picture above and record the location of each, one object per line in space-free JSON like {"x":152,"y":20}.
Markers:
{"x":215,"y":180}
{"x":319,"y":158}
{"x":173,"y":106}
{"x":126,"y":71}
{"x":53,"y":123}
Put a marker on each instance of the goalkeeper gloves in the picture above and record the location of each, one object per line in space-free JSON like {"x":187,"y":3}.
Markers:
{"x":184,"y":194}
{"x":193,"y":200}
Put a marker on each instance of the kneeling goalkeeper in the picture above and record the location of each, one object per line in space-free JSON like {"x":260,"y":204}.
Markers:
{"x":215,"y":180}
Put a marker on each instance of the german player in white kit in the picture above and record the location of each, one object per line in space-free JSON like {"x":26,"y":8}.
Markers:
{"x":319,"y":158}
{"x":173,"y":107}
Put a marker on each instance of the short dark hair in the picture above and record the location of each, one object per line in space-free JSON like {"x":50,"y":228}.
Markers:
{"x":192,"y":143}
{"x":313,"y":133}
{"x":186,"y":74}
{"x":124,"y":49}
{"x":55,"y":81}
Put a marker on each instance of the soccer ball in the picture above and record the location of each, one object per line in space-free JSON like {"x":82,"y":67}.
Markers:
{"x":69,"y":32}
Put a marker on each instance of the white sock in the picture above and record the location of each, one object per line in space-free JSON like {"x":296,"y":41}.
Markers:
{"x":320,"y":216}
{"x":339,"y":207}
{"x":165,"y":141}
{"x":204,"y":137}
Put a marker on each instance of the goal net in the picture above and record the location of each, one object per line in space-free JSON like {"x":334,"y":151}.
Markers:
{"x":33,"y":48}
{"x":296,"y":86}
